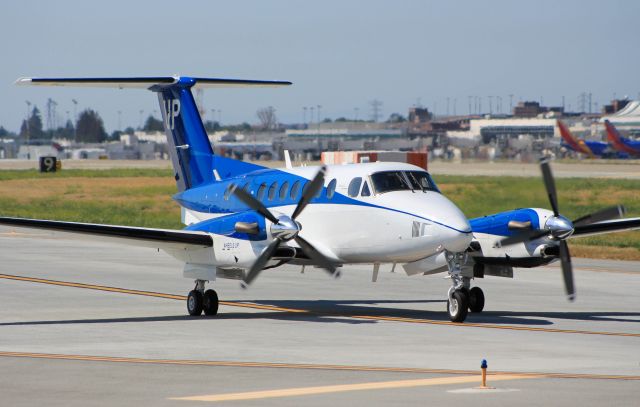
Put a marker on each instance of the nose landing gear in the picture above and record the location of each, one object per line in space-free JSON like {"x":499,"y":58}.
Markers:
{"x":200,"y":300}
{"x":462,"y":298}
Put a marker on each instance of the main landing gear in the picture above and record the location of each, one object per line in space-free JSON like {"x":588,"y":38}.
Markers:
{"x":462,"y":298}
{"x":200,"y":300}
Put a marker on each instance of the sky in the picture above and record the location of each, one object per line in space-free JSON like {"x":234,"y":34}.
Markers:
{"x":340,"y":54}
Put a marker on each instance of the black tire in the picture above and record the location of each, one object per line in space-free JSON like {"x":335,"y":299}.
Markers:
{"x":476,"y":299}
{"x":458,"y":306}
{"x":210,"y":302}
{"x":194,"y":303}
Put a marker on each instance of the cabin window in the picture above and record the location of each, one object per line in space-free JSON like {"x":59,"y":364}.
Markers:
{"x":261,"y":191}
{"x":283,"y":191}
{"x":272,"y":191}
{"x":388,"y":181}
{"x":354,"y":186}
{"x":295,"y":188}
{"x":365,"y":189}
{"x":331,"y":188}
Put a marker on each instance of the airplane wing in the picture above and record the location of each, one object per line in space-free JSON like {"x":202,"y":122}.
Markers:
{"x":146,"y":237}
{"x":619,"y":225}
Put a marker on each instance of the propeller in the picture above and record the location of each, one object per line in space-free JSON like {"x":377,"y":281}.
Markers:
{"x":560,"y":228}
{"x":285,"y":228}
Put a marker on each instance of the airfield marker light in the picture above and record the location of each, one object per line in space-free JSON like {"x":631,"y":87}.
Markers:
{"x":483,"y":366}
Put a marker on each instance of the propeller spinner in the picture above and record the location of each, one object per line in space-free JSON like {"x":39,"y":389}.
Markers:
{"x":285,"y":228}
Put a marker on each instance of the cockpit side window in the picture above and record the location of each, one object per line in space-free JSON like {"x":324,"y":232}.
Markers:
{"x":365,"y":189}
{"x":388,"y":181}
{"x":354,"y":186}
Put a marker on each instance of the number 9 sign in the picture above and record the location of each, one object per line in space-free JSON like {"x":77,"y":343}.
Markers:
{"x":48,"y":164}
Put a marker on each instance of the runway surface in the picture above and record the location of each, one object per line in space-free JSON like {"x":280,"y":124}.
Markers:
{"x":93,"y":323}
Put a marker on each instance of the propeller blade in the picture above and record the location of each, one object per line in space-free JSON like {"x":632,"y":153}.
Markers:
{"x":567,"y":270}
{"x":612,"y":212}
{"x":257,"y":267}
{"x":312,"y":189}
{"x":317,"y":257}
{"x":549,"y":184}
{"x":253,"y":203}
{"x":607,"y":227}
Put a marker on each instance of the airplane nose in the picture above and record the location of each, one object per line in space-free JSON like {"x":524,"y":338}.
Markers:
{"x":454,"y":225}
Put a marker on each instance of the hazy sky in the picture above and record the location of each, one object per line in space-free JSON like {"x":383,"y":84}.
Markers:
{"x":339,"y":54}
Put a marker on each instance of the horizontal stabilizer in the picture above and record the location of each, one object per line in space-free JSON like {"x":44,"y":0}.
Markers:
{"x":132,"y":235}
{"x":147,"y":82}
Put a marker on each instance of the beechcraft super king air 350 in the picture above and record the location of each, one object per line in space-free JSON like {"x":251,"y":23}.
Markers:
{"x":242,"y":218}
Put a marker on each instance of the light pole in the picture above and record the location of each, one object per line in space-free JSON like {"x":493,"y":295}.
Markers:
{"x":141,"y":113}
{"x":357,"y":109}
{"x":304,"y":115}
{"x":27,"y":121}
{"x":119,"y":120}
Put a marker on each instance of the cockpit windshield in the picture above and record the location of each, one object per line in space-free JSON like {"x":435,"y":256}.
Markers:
{"x":388,"y":181}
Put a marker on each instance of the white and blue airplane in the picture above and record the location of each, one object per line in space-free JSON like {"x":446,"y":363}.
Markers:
{"x":242,"y":218}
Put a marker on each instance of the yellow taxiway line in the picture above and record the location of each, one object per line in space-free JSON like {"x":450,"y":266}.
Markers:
{"x":311,"y":366}
{"x":264,"y":307}
{"x":308,"y":391}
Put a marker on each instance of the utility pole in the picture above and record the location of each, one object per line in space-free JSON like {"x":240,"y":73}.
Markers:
{"x":120,"y":120}
{"x":356,"y":110}
{"x":455,"y":100}
{"x":490,"y":104}
{"x":510,"y":104}
{"x":447,"y":105}
{"x":304,"y":115}
{"x":469,"y":105}
{"x":141,"y":113}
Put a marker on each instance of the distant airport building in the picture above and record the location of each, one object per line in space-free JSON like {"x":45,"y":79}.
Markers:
{"x":486,"y":131}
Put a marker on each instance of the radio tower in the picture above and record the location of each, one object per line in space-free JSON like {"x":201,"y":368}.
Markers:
{"x":376,"y":109}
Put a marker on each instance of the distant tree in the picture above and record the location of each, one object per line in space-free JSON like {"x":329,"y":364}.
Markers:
{"x":396,"y":118}
{"x":211,"y":125}
{"x":67,"y":132}
{"x":341,"y":120}
{"x":327,"y":120}
{"x":153,"y":124}
{"x":115,"y":135}
{"x":90,"y":128}
{"x":4,"y":132}
{"x":32,"y":128}
{"x":267,"y":117}
{"x":129,"y":130}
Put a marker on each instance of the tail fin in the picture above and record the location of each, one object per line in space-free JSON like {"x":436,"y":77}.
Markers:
{"x":189,"y":147}
{"x":577,"y":145}
{"x":617,"y":140}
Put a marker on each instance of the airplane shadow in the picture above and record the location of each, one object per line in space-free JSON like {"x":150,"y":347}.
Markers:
{"x":348,"y":311}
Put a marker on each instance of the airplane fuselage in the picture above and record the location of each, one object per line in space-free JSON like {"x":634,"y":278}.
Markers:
{"x":365,"y":213}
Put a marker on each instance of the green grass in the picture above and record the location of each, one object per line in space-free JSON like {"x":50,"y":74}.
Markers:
{"x":110,"y":173}
{"x":121,"y":196}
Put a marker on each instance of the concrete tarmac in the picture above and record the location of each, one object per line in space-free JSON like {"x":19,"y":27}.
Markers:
{"x":94,"y":323}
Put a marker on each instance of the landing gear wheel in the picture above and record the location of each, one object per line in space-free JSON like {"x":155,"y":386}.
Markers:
{"x":210,"y":302}
{"x":457,"y":306}
{"x":476,"y":299}
{"x":194,"y":303}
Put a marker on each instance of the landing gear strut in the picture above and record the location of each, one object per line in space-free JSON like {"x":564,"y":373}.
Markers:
{"x":462,"y":298}
{"x":200,"y":300}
